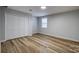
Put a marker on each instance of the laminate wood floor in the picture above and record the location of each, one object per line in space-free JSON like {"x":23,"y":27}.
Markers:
{"x":39,"y":43}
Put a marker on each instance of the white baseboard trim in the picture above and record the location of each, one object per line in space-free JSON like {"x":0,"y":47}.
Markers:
{"x":49,"y":35}
{"x":2,"y":40}
{"x":62,"y":37}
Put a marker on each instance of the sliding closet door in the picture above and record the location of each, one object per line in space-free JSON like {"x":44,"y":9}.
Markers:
{"x":2,"y":23}
{"x":17,"y":24}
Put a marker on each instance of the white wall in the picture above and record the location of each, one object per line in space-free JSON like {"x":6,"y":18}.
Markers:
{"x":17,"y":24}
{"x":64,"y":25}
{"x":34,"y":25}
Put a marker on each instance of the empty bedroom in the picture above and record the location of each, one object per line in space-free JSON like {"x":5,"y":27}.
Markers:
{"x":39,"y":29}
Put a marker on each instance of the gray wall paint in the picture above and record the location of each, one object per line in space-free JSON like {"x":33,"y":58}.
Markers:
{"x":34,"y":25}
{"x":64,"y":25}
{"x":2,"y":23}
{"x":18,"y":24}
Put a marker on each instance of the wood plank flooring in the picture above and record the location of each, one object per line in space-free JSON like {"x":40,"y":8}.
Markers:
{"x":39,"y":43}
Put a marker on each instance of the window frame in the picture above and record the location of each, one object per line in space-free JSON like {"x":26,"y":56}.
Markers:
{"x":44,"y":24}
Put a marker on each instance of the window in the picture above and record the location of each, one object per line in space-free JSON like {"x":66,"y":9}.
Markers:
{"x":44,"y":22}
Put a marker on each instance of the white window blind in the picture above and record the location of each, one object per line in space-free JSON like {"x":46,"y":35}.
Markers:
{"x":44,"y":22}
